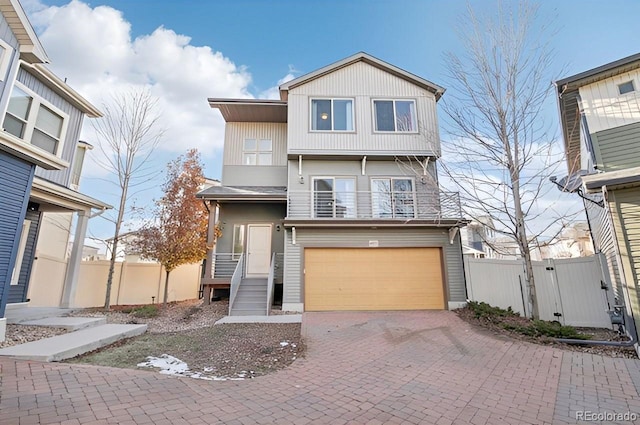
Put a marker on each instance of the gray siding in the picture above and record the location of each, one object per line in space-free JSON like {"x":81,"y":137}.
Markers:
{"x":16,"y":177}
{"x":359,"y":238}
{"x":231,"y":214}
{"x":236,"y":132}
{"x":74,"y":126}
{"x":617,"y":148}
{"x":363,"y":83}
{"x":7,"y":35}
{"x":248,"y":175}
{"x":400,"y":168}
{"x":625,"y":208}
{"x":18,"y":293}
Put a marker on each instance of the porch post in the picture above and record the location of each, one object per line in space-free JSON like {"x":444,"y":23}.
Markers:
{"x":73,"y":266}
{"x":211,"y":238}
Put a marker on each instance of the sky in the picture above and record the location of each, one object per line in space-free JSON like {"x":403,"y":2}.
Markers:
{"x":186,"y":51}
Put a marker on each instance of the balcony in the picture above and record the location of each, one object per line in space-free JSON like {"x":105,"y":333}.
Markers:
{"x":433,"y":206}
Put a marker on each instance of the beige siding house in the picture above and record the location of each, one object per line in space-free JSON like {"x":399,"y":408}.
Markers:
{"x":600,"y":116}
{"x":330,"y":196}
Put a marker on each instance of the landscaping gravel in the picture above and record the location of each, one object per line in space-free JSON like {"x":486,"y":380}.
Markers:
{"x":21,"y":334}
{"x":185,"y":331}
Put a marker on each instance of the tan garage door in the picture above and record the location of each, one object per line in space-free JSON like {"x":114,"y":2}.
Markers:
{"x":373,"y":279}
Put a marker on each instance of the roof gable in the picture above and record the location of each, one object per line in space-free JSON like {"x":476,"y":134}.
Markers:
{"x":31,"y":49}
{"x":362,"y":57}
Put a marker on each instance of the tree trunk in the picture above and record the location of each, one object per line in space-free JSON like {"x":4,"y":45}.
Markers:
{"x":166,"y":287}
{"x":114,"y":248}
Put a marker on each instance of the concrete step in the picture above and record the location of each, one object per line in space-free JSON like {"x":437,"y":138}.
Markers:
{"x":248,"y":312}
{"x":69,"y":345}
{"x":68,"y":323}
{"x":252,"y":294}
{"x":19,"y":315}
{"x":249,"y":305}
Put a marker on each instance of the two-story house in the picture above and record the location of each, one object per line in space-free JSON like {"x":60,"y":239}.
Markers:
{"x":600,"y":117}
{"x":39,"y":155}
{"x":333,"y":191}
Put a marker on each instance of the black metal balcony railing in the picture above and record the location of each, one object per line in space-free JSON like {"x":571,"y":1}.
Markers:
{"x":436,"y":205}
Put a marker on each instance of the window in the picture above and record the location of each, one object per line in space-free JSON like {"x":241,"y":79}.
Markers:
{"x":395,"y":116}
{"x":334,"y":197}
{"x":257,"y":152}
{"x":78,"y":160}
{"x":332,"y":114}
{"x":238,"y":240}
{"x":15,"y":275}
{"x":6,"y":52}
{"x":34,"y":121}
{"x":393,"y":198}
{"x":627,"y":87}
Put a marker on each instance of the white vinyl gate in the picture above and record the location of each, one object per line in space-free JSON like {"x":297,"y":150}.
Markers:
{"x":568,"y":290}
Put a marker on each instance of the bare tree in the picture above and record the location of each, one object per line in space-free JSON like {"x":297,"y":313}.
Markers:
{"x":501,"y":152}
{"x":128,"y":135}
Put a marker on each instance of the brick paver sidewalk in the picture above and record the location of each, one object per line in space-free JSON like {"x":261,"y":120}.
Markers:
{"x":361,"y":368}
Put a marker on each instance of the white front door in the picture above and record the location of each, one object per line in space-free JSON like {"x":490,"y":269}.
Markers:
{"x":258,"y":250}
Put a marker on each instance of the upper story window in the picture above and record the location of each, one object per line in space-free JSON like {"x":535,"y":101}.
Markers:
{"x":34,"y":120}
{"x":395,"y":116}
{"x":257,"y":152}
{"x":393,"y":197}
{"x":627,"y":87}
{"x":6,"y":52}
{"x":332,"y":114}
{"x":78,"y":161}
{"x":334,"y":197}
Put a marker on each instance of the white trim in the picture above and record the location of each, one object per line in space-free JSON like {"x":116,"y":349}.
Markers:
{"x":392,"y":193}
{"x":353,"y":114}
{"x":355,"y":193}
{"x":257,"y":151}
{"x":3,"y":329}
{"x":22,"y":246}
{"x":5,"y":61}
{"x":233,"y":241}
{"x":34,"y":109}
{"x":394,"y":100}
{"x":248,"y":242}
{"x":28,"y":152}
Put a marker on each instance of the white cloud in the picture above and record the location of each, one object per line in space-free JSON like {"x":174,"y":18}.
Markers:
{"x":274,"y":92}
{"x":92,"y":48}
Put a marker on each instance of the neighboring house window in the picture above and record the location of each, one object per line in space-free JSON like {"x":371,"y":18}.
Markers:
{"x":334,"y":197}
{"x":6,"y":52}
{"x":257,"y":152}
{"x":393,"y":198}
{"x":627,"y":87}
{"x":34,"y":120}
{"x":238,"y":240}
{"x":78,"y":160}
{"x":395,"y":116}
{"x":332,"y":114}
{"x":15,"y":276}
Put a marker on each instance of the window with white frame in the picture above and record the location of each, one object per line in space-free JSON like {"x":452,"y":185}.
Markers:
{"x":626,"y":87}
{"x":238,"y":241}
{"x":334,"y":197}
{"x":78,"y":161}
{"x":393,"y":197}
{"x":395,"y":116}
{"x":257,"y":152}
{"x":6,"y":51}
{"x":34,"y":120}
{"x":332,"y":114}
{"x":22,"y":246}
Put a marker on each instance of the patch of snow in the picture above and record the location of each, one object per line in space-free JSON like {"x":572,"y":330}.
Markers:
{"x":170,"y":365}
{"x":284,"y":344}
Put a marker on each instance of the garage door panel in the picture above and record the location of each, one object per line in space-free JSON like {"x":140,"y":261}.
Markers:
{"x":373,"y":279}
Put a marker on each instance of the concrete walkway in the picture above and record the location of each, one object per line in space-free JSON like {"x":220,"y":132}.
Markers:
{"x":279,"y":318}
{"x":360,"y":368}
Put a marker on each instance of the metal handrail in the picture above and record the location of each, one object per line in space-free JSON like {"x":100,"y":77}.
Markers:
{"x":426,"y":204}
{"x":236,"y":278}
{"x":270,"y":285}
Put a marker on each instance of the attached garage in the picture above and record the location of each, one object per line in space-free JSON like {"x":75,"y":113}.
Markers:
{"x":373,"y":279}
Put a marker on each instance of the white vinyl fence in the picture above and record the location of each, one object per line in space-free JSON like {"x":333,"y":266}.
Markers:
{"x":570,"y":291}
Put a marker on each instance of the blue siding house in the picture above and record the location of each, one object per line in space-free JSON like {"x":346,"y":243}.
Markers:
{"x":39,"y":145}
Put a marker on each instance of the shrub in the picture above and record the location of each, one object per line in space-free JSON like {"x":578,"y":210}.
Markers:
{"x":540,"y":328}
{"x":484,"y":310}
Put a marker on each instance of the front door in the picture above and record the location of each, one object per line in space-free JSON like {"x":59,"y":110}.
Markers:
{"x":258,"y":250}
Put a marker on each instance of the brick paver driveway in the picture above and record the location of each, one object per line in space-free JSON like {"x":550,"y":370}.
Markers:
{"x":362,"y":368}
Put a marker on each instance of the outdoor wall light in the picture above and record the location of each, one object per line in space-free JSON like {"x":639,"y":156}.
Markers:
{"x":301,"y":179}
